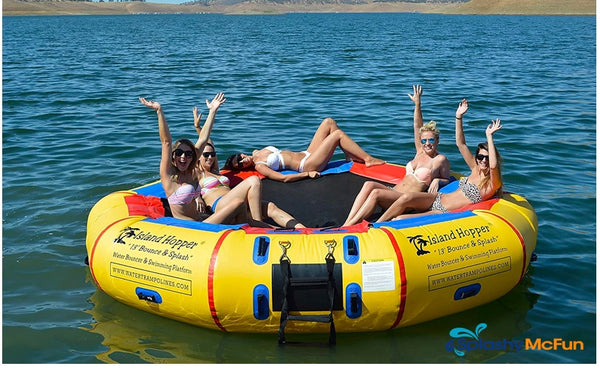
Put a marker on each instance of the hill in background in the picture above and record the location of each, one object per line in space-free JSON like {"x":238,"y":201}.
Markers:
{"x":525,"y":7}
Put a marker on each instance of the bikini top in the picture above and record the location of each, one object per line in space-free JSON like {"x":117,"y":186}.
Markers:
{"x":185,"y":194}
{"x":422,"y":174}
{"x":470,"y":190}
{"x":274,"y":160}
{"x":209,"y":183}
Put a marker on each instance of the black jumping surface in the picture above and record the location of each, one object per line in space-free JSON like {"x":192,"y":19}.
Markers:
{"x":317,"y":203}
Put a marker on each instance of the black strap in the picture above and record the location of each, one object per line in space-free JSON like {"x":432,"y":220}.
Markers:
{"x":285,"y":272}
{"x":330,"y":260}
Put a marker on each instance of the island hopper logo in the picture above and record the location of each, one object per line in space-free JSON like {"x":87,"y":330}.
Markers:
{"x":464,"y":341}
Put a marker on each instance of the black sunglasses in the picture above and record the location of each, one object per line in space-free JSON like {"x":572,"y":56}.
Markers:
{"x":209,"y":154}
{"x":179,"y":152}
{"x":480,"y":157}
{"x":238,"y":160}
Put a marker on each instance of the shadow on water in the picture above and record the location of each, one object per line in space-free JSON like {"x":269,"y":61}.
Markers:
{"x":134,"y":336}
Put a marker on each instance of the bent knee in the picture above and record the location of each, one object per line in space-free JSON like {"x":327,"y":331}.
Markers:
{"x":253,"y":180}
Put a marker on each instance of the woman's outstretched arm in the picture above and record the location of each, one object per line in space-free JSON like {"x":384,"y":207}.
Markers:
{"x":417,"y":115}
{"x":165,"y":138}
{"x":461,"y":143}
{"x":204,"y":132}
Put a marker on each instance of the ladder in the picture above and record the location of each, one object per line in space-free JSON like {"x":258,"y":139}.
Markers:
{"x":292,"y":283}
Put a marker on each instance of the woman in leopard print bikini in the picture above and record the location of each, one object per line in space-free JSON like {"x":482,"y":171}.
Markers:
{"x":484,"y":181}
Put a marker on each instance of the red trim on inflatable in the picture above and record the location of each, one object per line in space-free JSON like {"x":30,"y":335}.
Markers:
{"x":523,"y":247}
{"x":356,"y":228}
{"x":402,"y":277}
{"x":389,"y":173}
{"x":211,"y":276}
{"x":484,"y":205}
{"x":149,"y":206}
{"x":91,"y":256}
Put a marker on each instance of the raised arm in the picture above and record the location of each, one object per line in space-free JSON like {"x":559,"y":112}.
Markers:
{"x":165,"y":138}
{"x":417,"y":115}
{"x":204,"y":132}
{"x":463,"y":106}
{"x":278,"y":176}
{"x":494,"y":172}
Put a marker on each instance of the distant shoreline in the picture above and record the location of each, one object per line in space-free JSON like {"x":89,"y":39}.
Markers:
{"x":508,"y":7}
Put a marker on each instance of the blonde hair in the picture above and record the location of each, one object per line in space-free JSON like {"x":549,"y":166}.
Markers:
{"x":432,"y":127}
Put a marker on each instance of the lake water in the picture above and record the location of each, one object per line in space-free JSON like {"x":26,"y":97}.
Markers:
{"x":74,"y":131}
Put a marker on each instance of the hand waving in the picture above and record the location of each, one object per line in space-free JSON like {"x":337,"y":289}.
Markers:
{"x":218,"y":100}
{"x":463,"y":106}
{"x":493,"y":128}
{"x":151,"y":104}
{"x":417,"y":92}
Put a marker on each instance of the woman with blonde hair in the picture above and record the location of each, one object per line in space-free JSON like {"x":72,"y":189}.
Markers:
{"x":484,"y":182}
{"x":428,"y":170}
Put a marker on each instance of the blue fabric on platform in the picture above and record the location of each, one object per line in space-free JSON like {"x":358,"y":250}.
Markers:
{"x":333,"y":167}
{"x":424,"y":220}
{"x":155,"y":189}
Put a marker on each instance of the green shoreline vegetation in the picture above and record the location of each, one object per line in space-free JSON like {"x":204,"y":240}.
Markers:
{"x":516,"y":7}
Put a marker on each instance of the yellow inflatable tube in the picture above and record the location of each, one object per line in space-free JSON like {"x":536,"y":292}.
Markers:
{"x":368,"y":277}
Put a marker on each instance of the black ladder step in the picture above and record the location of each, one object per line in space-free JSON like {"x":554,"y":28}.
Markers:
{"x":309,"y":282}
{"x":311,"y":318}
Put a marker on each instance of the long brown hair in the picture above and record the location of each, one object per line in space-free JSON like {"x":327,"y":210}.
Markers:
{"x":486,"y":179}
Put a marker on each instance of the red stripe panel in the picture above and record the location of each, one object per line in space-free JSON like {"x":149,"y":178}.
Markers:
{"x":387,"y":172}
{"x":402,"y":277}
{"x":211,"y":276}
{"x":523,"y":247}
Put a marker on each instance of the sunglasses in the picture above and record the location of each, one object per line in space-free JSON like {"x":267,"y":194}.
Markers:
{"x":480,"y":157}
{"x":238,"y":160}
{"x":427,"y":140}
{"x":179,"y":152}
{"x":209,"y":154}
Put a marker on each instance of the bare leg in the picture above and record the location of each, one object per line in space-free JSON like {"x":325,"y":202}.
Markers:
{"x":381,"y":197}
{"x":226,"y":212}
{"x":326,"y":139}
{"x":360,"y":199}
{"x":249,"y":191}
{"x":419,"y":201}
{"x":283,"y":219}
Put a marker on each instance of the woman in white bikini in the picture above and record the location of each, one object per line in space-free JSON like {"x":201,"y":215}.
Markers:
{"x":428,"y":170}
{"x":269,"y":161}
{"x":178,"y":171}
{"x":484,"y":182}
{"x":217,"y":193}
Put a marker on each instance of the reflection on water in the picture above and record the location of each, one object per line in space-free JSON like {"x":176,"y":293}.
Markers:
{"x":134,"y":336}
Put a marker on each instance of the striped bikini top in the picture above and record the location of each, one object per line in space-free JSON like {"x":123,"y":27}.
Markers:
{"x":185,"y":194}
{"x":209,"y":183}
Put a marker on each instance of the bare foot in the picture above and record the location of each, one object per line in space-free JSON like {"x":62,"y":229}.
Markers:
{"x":371,"y":161}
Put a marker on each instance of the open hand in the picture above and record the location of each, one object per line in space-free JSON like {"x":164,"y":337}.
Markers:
{"x":463,"y":106}
{"x":217,"y":101}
